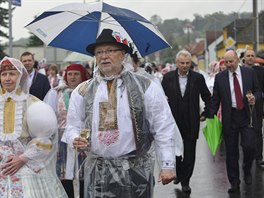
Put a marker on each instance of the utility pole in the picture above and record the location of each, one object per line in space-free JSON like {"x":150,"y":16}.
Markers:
{"x":255,"y":26}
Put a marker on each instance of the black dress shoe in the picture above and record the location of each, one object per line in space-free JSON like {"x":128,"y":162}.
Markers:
{"x":260,"y":163}
{"x":248,"y":179}
{"x":186,"y":189}
{"x":234,"y":188}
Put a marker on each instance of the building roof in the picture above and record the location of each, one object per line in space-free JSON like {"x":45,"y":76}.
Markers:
{"x":242,"y":30}
{"x":197,"y":48}
{"x":211,"y":36}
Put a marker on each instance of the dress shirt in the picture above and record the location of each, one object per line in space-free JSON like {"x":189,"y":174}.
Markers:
{"x":31,"y":76}
{"x":183,"y":82}
{"x":231,"y":82}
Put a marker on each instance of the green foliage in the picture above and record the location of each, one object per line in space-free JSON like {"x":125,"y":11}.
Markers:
{"x":172,"y":29}
{"x":34,"y":41}
{"x":4,"y":24}
{"x":156,"y":19}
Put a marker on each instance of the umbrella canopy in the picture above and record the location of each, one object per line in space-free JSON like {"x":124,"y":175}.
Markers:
{"x":74,"y":26}
{"x":213,"y":133}
{"x":77,"y":57}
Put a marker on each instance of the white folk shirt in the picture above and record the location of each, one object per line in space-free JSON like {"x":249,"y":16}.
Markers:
{"x":158,"y":113}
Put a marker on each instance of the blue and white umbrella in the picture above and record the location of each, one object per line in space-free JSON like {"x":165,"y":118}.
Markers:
{"x":74,"y":26}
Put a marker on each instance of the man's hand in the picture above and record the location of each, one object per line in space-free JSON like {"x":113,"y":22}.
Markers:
{"x":13,"y":164}
{"x":80,"y":144}
{"x":251,"y":99}
{"x":202,"y":118}
{"x":167,"y":175}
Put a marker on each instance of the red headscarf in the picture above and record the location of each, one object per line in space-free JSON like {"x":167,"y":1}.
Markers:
{"x":77,"y":67}
{"x":7,"y":65}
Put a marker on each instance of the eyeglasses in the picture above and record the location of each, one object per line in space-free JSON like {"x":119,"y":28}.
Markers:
{"x":108,"y":52}
{"x":229,"y":61}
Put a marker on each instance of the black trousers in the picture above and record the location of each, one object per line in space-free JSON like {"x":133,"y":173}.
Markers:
{"x":68,"y":187}
{"x":185,"y":165}
{"x":259,"y":139}
{"x":239,"y":126}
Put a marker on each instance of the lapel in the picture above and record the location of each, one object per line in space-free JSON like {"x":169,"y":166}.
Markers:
{"x":176,"y":85}
{"x":34,"y":78}
{"x":244,"y":81}
{"x":190,"y":82}
{"x":227,"y":85}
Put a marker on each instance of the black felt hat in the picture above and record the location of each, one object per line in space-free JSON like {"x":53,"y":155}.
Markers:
{"x":108,"y":36}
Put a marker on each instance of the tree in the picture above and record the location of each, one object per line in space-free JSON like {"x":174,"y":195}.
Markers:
{"x":3,"y":23}
{"x":156,"y":19}
{"x":34,"y":41}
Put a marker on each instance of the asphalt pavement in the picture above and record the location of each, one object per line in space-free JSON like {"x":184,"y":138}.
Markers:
{"x":209,"y":179}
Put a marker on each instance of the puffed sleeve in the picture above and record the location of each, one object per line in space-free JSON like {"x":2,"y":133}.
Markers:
{"x":51,"y":98}
{"x":41,"y":122}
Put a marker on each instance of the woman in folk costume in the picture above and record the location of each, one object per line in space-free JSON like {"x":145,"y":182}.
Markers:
{"x":58,"y":99}
{"x":123,"y":112}
{"x":28,"y":138}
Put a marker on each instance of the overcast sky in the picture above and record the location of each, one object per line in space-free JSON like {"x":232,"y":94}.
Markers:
{"x":166,"y":9}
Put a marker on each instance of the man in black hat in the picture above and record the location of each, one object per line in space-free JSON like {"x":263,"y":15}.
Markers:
{"x":123,"y":112}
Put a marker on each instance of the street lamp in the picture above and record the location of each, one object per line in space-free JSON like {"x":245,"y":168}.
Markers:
{"x":187,"y":29}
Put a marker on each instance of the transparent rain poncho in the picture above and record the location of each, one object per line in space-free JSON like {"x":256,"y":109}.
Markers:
{"x":113,"y":167}
{"x":28,"y":129}
{"x":127,"y":176}
{"x":22,"y":81}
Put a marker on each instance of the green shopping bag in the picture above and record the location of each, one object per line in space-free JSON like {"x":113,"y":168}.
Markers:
{"x":213,"y":133}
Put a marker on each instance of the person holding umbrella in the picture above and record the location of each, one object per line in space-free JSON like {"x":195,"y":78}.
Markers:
{"x":237,"y":89}
{"x":124,"y":112}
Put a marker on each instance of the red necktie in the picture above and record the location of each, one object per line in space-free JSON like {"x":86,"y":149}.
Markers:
{"x":239,"y":98}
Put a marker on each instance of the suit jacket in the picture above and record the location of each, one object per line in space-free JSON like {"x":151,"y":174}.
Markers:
{"x":195,"y":87}
{"x":222,"y":93}
{"x":40,"y":86}
{"x":260,"y":76}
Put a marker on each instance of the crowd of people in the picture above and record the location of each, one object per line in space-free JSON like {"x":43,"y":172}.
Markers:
{"x":100,"y":135}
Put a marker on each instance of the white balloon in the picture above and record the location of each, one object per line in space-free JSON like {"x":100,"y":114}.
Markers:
{"x":41,"y":119}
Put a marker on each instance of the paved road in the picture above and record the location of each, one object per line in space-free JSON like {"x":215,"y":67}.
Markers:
{"x":209,"y":179}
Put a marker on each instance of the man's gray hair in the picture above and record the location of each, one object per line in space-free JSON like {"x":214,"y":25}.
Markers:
{"x":184,"y":53}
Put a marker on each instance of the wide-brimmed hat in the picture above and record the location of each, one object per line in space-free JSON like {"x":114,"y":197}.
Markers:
{"x":109,"y":36}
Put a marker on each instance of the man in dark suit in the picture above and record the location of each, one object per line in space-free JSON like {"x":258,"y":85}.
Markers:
{"x":183,"y":87}
{"x":249,"y":57}
{"x":39,"y":83}
{"x":230,"y":88}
